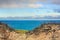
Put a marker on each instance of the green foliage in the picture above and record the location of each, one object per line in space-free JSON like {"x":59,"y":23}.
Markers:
{"x":21,"y":31}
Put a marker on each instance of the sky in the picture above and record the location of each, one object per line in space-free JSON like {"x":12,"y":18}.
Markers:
{"x":25,"y":8}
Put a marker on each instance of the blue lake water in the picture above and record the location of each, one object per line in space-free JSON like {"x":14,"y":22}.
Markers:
{"x":26,"y":24}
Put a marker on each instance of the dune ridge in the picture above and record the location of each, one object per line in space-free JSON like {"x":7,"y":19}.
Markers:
{"x":47,"y":31}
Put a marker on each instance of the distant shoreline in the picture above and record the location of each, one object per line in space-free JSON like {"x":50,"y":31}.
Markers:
{"x":30,"y":19}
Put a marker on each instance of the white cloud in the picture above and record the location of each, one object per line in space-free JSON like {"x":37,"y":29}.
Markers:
{"x":21,"y":5}
{"x":35,"y":5}
{"x":49,"y":14}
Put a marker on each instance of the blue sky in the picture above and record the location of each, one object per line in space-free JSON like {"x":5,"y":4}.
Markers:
{"x":27,"y":8}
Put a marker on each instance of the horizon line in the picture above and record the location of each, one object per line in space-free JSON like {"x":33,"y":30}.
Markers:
{"x":29,"y":19}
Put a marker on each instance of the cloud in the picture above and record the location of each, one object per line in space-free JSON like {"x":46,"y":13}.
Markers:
{"x":50,"y":14}
{"x":35,"y":5}
{"x":34,"y":16}
{"x":57,"y":10}
{"x":25,"y":3}
{"x":19,"y":3}
{"x":55,"y":1}
{"x":12,"y":6}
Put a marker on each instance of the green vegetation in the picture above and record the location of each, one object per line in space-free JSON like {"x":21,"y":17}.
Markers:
{"x":21,"y":31}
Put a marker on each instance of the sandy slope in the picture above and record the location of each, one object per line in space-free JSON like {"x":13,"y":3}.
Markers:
{"x":49,"y":31}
